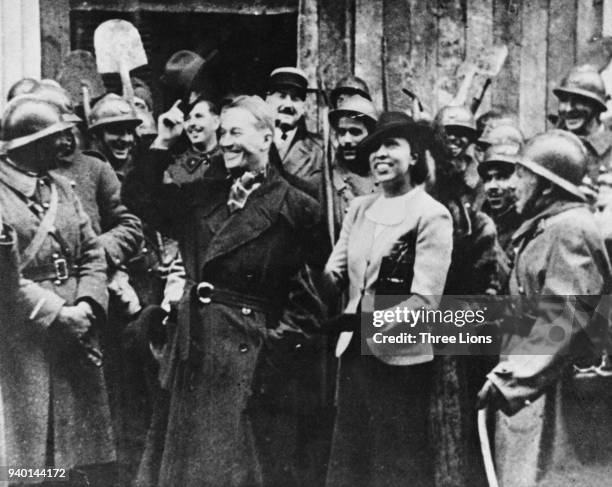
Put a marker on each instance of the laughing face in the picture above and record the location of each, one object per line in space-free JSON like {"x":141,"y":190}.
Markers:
{"x":391,"y":161}
{"x":117,"y":141}
{"x":244,"y":143}
{"x":459,"y":138}
{"x":201,"y":125}
{"x":288,"y":107}
{"x":577,"y":113}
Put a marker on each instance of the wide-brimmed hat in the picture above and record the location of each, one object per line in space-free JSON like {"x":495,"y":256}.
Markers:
{"x":394,"y":124}
{"x":289,"y":77}
{"x":356,"y":108}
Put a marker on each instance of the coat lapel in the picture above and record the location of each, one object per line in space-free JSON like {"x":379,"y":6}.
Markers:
{"x":260,"y":213}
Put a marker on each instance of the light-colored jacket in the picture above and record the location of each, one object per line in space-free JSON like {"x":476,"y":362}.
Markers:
{"x":358,"y":254}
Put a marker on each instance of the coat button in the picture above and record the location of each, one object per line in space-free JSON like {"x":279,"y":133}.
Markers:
{"x":145,"y":250}
{"x":521,"y":290}
{"x":57,"y":282}
{"x":55,"y":255}
{"x":243,"y":348}
{"x":246,"y":311}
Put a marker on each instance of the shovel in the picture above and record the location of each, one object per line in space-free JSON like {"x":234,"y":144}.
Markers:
{"x":79,"y":76}
{"x":119,"y":50}
{"x":488,"y":64}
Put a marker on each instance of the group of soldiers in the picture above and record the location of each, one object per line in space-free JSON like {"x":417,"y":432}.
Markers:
{"x":163,"y":301}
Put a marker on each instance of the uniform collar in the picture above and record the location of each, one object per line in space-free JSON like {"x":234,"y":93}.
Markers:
{"x":599,"y":142}
{"x":537,"y":221}
{"x":20,"y":180}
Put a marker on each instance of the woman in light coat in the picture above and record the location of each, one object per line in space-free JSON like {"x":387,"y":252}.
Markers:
{"x":395,"y":243}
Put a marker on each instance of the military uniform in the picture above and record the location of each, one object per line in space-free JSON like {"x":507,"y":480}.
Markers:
{"x":557,"y":429}
{"x":98,"y":188}
{"x":192,"y":165}
{"x":348,"y":185}
{"x":55,"y":399}
{"x":599,"y":147}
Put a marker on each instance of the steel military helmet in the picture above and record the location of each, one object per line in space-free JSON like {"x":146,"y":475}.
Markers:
{"x":502,"y":133}
{"x":504,"y":155}
{"x":456,"y":116}
{"x":28,"y":118}
{"x":584,"y":81}
{"x":112,"y":109}
{"x":350,"y":85}
{"x":357,"y":108}
{"x":59,"y":97}
{"x":559,"y":157}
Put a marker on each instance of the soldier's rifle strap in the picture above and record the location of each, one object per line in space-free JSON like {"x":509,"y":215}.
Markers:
{"x":46,"y":225}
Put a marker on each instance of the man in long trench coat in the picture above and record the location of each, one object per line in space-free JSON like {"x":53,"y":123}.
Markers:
{"x":555,"y":428}
{"x":55,"y":403}
{"x":242,"y":321}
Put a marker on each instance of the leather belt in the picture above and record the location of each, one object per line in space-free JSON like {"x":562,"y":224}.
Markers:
{"x":207,"y":293}
{"x":60,"y":270}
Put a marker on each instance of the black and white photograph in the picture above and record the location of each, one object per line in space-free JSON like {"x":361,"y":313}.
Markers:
{"x":306,"y":243}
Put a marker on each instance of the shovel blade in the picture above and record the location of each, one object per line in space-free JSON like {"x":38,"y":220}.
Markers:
{"x":78,"y":69}
{"x":490,"y":61}
{"x":117,"y":42}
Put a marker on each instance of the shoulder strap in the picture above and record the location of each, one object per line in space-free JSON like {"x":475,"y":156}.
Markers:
{"x":46,"y":225}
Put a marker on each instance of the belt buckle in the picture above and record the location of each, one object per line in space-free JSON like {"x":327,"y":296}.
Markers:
{"x":61,"y":269}
{"x":204,"y":292}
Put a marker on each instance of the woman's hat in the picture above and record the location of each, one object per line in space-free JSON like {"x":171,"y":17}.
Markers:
{"x":394,"y":124}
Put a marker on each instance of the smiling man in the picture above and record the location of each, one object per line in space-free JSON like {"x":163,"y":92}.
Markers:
{"x":112,"y":125}
{"x":582,"y":99}
{"x":200,"y":127}
{"x":352,"y":121}
{"x":300,"y":151}
{"x":244,"y":237}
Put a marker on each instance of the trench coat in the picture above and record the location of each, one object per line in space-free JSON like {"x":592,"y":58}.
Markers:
{"x":47,"y":384}
{"x":555,"y":427}
{"x":229,"y":361}
{"x":304,"y":157}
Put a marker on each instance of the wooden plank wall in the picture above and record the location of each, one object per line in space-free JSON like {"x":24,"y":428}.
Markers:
{"x":420,"y":44}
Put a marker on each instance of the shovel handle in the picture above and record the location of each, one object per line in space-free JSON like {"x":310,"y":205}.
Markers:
{"x":126,"y":82}
{"x":464,"y":88}
{"x":476,"y":102}
{"x":86,"y":102}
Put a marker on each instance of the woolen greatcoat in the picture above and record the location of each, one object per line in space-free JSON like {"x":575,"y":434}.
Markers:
{"x":234,"y":360}
{"x":556,"y":429}
{"x":9,"y":284}
{"x":47,"y":384}
{"x":382,"y":425}
{"x":97,"y":186}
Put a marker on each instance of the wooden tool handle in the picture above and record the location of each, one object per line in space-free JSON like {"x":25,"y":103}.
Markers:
{"x":86,"y":102}
{"x":126,"y":82}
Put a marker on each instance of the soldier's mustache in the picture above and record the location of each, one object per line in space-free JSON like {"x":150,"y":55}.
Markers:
{"x":287,"y":111}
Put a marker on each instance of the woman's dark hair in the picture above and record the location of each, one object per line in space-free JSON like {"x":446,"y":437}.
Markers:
{"x":420,"y":141}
